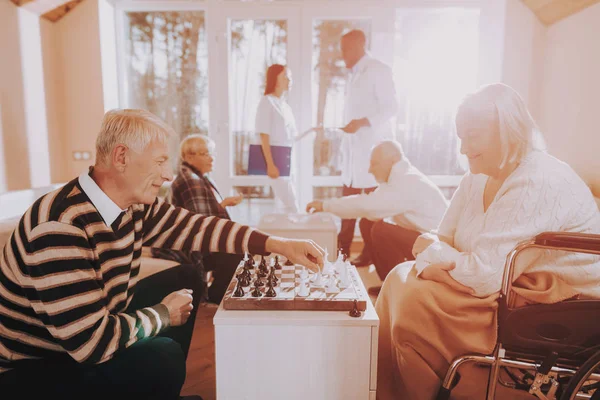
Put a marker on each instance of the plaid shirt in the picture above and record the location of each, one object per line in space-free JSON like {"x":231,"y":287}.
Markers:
{"x":196,"y":192}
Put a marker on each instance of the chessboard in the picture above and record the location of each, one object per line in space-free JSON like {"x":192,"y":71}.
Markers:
{"x":340,"y":290}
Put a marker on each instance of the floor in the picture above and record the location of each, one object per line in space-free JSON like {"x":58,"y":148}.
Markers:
{"x":201,"y":377}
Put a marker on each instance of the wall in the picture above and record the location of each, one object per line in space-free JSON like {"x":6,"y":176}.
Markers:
{"x":569,"y":94}
{"x":14,"y":160}
{"x":524,"y":43}
{"x":492,"y":21}
{"x":35,"y":98}
{"x":54,"y":81}
{"x":83,"y":102}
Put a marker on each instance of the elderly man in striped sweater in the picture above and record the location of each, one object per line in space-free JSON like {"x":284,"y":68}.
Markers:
{"x":75,"y":321}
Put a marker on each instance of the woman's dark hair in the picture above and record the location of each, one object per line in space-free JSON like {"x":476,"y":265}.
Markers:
{"x":272,"y":73}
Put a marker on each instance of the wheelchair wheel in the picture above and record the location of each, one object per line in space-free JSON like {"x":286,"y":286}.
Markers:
{"x":580,"y":377}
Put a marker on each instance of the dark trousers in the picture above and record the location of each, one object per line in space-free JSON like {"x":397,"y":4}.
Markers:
{"x":389,"y":244}
{"x":153,"y":368}
{"x":223,"y":267}
{"x":348,"y":225}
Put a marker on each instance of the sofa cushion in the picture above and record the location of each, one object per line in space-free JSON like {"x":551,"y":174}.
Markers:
{"x":7,"y":226}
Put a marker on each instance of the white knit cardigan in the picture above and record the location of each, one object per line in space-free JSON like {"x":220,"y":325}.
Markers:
{"x":542,"y":194}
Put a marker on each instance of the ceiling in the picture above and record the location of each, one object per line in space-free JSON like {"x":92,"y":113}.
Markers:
{"x":52,"y":10}
{"x":548,"y":11}
{"x":551,"y":11}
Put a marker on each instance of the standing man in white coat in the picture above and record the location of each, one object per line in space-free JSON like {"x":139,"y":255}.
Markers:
{"x":370,"y":108}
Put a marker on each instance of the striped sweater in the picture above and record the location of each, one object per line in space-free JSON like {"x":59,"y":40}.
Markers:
{"x":66,"y":277}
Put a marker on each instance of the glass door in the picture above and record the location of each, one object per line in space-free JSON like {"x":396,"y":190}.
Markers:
{"x":324,"y":93}
{"x":255,"y":36}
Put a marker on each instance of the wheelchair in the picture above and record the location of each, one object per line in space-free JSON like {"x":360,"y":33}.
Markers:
{"x":550,"y":350}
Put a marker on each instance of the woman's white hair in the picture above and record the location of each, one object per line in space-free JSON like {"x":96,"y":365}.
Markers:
{"x":186,"y":143}
{"x":132,"y":128}
{"x":519,"y":134}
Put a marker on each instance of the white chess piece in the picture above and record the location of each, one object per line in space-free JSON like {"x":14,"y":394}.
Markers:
{"x":343,"y":274}
{"x":331,"y":286}
{"x":318,"y":282}
{"x":328,"y":268}
{"x":303,"y":290}
{"x":304,"y":274}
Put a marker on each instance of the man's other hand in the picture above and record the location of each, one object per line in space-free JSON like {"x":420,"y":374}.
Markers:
{"x":180,"y":306}
{"x":314,"y":206}
{"x":232,"y":201}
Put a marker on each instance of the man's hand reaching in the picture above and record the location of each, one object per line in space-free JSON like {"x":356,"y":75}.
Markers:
{"x":303,"y":252}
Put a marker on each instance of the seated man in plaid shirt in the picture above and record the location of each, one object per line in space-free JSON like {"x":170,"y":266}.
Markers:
{"x":193,"y":189}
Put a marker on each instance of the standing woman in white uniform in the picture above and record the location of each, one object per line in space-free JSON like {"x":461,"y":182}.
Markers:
{"x":277,"y":127}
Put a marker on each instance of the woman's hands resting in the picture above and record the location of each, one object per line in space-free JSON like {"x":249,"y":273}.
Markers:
{"x":440,"y":273}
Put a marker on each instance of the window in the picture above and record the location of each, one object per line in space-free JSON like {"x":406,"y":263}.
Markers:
{"x":435,"y":65}
{"x":166,"y":68}
{"x":328,"y":90}
{"x":254,"y":45}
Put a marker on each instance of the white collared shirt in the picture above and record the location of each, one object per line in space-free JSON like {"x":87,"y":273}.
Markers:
{"x":108,"y":209}
{"x":371,"y":94}
{"x":408,"y":198}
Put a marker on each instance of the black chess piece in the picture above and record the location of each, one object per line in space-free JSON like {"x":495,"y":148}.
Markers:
{"x":277,"y":265}
{"x":260,"y":273}
{"x":256,"y":292}
{"x":355,"y":311}
{"x":239,"y":291}
{"x":258,"y":282}
{"x":273,"y":277}
{"x":244,"y":280}
{"x":249,"y":263}
{"x":270,"y":291}
{"x":263,"y":262}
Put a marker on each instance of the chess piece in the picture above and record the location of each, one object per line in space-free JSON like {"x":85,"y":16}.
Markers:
{"x":331,"y":287}
{"x":273,"y":277}
{"x":260,"y":273}
{"x":327,"y":266}
{"x":239,"y":291}
{"x":304,"y":274}
{"x":244,"y":280}
{"x":256,"y":292}
{"x":258,"y":281}
{"x":343,"y":275}
{"x":270,"y":291}
{"x":263,"y":262}
{"x":318,"y":282}
{"x":277,"y":266}
{"x":303,"y":290}
{"x":355,"y":313}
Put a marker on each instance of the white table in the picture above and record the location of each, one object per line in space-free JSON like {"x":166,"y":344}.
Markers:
{"x":296,"y":355}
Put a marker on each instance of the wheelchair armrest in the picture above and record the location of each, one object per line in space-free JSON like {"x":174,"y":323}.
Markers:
{"x":581,"y":242}
{"x":568,"y":241}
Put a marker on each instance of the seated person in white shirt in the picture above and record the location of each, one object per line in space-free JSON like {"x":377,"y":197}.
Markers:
{"x":445,"y":305}
{"x":405,"y":195}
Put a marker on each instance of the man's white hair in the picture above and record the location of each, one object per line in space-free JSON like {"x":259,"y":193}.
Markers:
{"x":186,"y":143}
{"x":132,"y":128}
{"x":519,"y":134}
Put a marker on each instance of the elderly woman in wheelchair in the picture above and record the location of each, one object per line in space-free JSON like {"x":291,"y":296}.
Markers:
{"x":452,"y":306}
